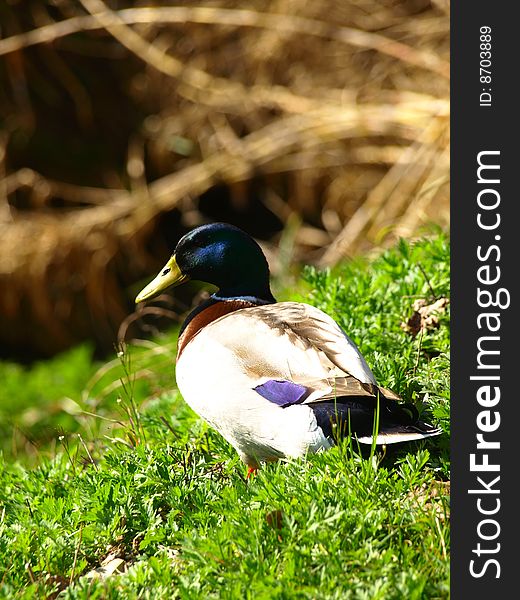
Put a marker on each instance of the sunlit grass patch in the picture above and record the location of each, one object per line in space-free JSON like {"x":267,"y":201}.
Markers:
{"x":139,"y":498}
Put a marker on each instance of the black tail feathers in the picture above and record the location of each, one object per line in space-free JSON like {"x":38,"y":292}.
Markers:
{"x":350,"y":415}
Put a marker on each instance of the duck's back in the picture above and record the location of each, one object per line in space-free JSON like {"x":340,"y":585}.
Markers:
{"x":284,"y":340}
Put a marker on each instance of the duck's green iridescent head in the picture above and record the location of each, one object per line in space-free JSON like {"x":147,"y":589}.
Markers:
{"x":220,"y":254}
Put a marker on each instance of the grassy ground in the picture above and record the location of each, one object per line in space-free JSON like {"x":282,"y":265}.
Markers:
{"x":110,"y":487}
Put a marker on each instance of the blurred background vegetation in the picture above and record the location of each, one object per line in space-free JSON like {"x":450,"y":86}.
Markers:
{"x":322,"y":128}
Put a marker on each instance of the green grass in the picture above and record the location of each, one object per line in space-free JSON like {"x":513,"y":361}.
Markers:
{"x":148,"y":482}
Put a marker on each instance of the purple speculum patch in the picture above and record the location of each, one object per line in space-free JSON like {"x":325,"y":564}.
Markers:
{"x":282,"y":393}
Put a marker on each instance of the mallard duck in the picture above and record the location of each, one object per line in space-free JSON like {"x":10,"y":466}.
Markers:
{"x":276,"y":379}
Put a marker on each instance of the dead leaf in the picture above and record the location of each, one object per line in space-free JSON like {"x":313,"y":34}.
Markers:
{"x":425,"y":316}
{"x":112,"y":565}
{"x":274,"y":519}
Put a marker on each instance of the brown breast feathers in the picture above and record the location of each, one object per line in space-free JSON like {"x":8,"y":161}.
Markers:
{"x":213,"y":312}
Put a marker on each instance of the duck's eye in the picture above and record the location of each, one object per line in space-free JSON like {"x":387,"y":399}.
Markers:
{"x":166,"y":271}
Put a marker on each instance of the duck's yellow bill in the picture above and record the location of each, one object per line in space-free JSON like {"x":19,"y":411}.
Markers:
{"x":169,"y":275}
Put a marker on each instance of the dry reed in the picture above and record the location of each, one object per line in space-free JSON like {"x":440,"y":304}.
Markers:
{"x":336,"y":111}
